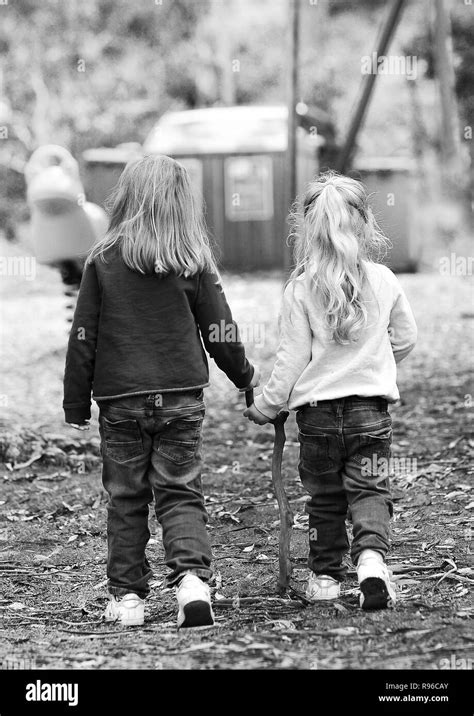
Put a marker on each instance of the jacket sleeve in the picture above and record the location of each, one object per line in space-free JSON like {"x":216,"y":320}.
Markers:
{"x":80,"y":357}
{"x":219,"y":331}
{"x":293,"y":353}
{"x":402,"y":328}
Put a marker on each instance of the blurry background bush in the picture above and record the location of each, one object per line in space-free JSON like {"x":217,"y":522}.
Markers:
{"x":99,"y":73}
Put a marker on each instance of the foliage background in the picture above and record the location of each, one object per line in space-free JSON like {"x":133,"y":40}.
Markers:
{"x":89,"y":73}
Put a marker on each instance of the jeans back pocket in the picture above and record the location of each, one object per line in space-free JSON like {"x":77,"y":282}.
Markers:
{"x":315,"y":448}
{"x":122,"y":439}
{"x":180,"y":439}
{"x":371,"y":451}
{"x":376,"y":441}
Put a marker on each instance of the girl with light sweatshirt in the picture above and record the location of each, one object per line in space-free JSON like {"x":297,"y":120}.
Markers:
{"x":345,"y":324}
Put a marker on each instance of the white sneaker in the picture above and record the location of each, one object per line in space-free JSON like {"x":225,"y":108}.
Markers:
{"x":194,"y":603}
{"x":376,"y":589}
{"x":128,"y":610}
{"x":322,"y":587}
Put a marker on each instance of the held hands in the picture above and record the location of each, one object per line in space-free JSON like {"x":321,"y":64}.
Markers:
{"x":252,"y":413}
{"x":255,"y":416}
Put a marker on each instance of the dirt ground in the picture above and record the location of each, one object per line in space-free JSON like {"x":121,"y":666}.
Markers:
{"x":52,"y":510}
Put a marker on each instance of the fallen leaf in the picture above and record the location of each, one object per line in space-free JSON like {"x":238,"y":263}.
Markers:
{"x":455,"y":493}
{"x":343,"y":631}
{"x":446,"y":560}
{"x":339,"y":608}
{"x":433,"y":469}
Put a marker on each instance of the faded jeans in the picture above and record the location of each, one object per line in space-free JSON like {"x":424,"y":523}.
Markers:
{"x":344,"y":463}
{"x":151,"y":447}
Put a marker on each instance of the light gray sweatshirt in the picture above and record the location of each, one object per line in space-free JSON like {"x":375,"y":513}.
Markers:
{"x":310,"y":366}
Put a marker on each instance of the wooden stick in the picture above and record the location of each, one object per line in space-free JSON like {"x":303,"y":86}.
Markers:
{"x":286,"y":515}
{"x":21,"y":465}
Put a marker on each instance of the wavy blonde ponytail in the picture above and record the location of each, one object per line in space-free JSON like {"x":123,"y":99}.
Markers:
{"x":334,"y":232}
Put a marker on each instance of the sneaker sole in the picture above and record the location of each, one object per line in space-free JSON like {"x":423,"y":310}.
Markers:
{"x":125,"y":622}
{"x":375,"y":595}
{"x":128,"y":621}
{"x":197,"y":615}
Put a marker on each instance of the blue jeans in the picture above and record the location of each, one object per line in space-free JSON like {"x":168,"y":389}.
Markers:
{"x":151,"y":446}
{"x":344,"y":463}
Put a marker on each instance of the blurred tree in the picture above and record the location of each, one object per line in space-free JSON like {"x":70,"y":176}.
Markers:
{"x":423,"y":46}
{"x":101,"y":72}
{"x":463,"y":39}
{"x":89,"y":73}
{"x":92,"y":73}
{"x":240,"y":47}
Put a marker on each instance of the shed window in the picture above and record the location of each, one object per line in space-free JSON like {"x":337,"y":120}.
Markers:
{"x":248,"y":188}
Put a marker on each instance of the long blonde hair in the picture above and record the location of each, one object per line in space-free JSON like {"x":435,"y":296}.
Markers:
{"x":334,"y":233}
{"x":156,"y":221}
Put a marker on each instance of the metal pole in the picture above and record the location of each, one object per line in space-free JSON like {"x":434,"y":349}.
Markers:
{"x":293,"y":97}
{"x":292,"y":93}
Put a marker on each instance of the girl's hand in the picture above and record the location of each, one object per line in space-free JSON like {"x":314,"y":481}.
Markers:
{"x":255,"y":416}
{"x":82,"y":426}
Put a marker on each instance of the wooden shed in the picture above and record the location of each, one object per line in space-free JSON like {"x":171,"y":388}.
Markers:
{"x":237,"y":160}
{"x":392,"y":189}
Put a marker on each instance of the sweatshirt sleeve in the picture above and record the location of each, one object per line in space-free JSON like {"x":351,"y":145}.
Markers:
{"x":220,"y":333}
{"x":402,"y":328}
{"x":80,"y":357}
{"x":293,"y":353}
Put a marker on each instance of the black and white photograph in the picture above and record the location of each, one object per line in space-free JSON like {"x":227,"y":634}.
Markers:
{"x":236,"y":346}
